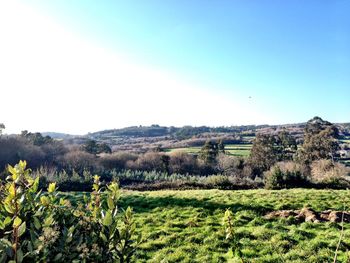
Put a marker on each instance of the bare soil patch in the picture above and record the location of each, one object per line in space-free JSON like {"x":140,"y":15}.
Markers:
{"x":309,"y":215}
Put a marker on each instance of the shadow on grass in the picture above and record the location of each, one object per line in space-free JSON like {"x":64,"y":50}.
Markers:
{"x":143,"y":204}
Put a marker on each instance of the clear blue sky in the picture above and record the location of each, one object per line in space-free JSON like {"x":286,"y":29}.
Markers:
{"x":291,"y":57}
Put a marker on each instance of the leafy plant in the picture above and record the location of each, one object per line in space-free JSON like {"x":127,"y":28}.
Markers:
{"x":230,"y":233}
{"x":41,"y":227}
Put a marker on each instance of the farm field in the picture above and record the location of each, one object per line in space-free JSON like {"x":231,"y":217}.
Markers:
{"x":186,"y":226}
{"x":231,"y":149}
{"x":345,"y":139}
{"x":346,"y":162}
{"x":234,"y":149}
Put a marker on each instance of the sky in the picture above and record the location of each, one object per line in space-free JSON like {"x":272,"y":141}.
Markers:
{"x":83,"y":66}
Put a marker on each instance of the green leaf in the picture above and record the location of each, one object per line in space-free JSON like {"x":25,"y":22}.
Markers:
{"x":30,"y":180}
{"x":69,"y":239}
{"x":71,"y":230}
{"x":57,"y":257}
{"x":36,"y":184}
{"x":110,"y":203}
{"x":107,"y":220}
{"x":19,"y":256}
{"x":30,"y":247}
{"x":96,"y":178}
{"x":23,"y":164}
{"x":7,"y":221}
{"x":12,"y":189}
{"x":49,"y":221}
{"x":45,"y":200}
{"x":22,"y":229}
{"x":5,"y":242}
{"x":95,"y":187}
{"x":51,"y":188}
{"x":11,"y":169}
{"x":103,"y":237}
{"x":36,"y":223}
{"x":17,"y":222}
{"x":9,"y":208}
{"x":128,"y":213}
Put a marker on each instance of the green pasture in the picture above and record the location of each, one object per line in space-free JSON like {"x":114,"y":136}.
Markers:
{"x":232,"y":149}
{"x":186,"y":226}
{"x":346,"y":162}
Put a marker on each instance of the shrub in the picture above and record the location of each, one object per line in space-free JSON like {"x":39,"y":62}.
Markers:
{"x":230,"y":165}
{"x":64,"y":181}
{"x":328,"y":172}
{"x":183,"y":163}
{"x":79,"y":160}
{"x":116,"y":160}
{"x":12,"y":149}
{"x":284,"y":175}
{"x":150,"y":161}
{"x":41,"y":227}
{"x":218,"y":181}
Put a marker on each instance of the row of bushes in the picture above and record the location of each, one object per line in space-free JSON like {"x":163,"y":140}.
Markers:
{"x":324,"y":173}
{"x":52,"y":153}
{"x":142,"y":180}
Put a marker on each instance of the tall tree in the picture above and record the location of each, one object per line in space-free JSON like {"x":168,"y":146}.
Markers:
{"x":209,"y":152}
{"x":320,"y":141}
{"x":36,"y":138}
{"x":268,"y":149}
{"x":104,"y":148}
{"x":286,"y":144}
{"x":91,"y":146}
{"x":263,"y":153}
{"x":221,"y":146}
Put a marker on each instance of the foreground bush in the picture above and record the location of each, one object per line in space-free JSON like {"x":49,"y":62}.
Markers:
{"x":41,"y":227}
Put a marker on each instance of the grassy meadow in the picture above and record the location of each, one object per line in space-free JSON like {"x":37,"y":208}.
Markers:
{"x":231,"y":149}
{"x":186,"y":226}
{"x":346,"y":139}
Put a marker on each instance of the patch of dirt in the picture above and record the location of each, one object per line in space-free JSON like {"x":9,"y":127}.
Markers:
{"x":309,"y":215}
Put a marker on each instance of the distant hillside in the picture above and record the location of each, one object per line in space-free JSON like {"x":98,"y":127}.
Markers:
{"x":176,"y":132}
{"x":145,"y":138}
{"x":134,"y":131}
{"x":141,"y":139}
{"x":58,"y":135}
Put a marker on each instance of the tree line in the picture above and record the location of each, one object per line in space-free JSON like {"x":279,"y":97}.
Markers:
{"x":276,"y":160}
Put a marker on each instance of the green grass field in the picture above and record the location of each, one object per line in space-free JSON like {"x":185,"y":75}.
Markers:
{"x":192,"y":150}
{"x":186,"y":226}
{"x":346,"y":162}
{"x":346,"y":140}
{"x":238,"y":149}
{"x":231,"y":149}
